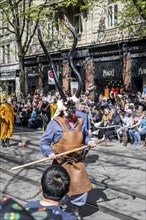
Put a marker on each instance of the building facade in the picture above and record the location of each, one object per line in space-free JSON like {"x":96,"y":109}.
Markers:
{"x":105,"y":56}
{"x":9,"y":67}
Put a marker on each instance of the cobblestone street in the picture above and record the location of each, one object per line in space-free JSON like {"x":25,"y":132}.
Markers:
{"x":118,"y":175}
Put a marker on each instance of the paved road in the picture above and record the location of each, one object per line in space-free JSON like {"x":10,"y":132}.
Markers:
{"x":118,"y":175}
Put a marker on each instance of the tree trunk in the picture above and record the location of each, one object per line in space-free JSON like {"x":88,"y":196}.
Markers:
{"x":22,"y":76}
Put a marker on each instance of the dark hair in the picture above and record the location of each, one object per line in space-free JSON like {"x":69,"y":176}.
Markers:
{"x":55,"y":182}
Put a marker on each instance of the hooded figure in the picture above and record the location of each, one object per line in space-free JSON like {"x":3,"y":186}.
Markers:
{"x":65,"y":132}
{"x":7,"y":112}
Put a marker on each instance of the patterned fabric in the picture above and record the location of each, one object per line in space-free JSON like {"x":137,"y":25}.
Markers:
{"x":11,"y":210}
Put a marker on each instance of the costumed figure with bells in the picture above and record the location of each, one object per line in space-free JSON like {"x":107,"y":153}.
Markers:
{"x":66,"y":131}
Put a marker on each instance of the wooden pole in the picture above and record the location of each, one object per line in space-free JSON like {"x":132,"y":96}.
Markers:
{"x":57,"y":155}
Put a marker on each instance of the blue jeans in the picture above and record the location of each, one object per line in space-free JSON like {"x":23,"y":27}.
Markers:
{"x":131,"y":133}
{"x":137,"y":136}
{"x":78,"y":200}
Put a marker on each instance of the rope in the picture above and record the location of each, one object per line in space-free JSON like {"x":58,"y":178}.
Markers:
{"x":21,"y":198}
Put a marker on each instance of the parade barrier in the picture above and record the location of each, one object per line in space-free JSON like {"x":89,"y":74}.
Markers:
{"x":57,"y":155}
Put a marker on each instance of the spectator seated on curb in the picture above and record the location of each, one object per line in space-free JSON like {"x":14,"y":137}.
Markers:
{"x":134,"y":126}
{"x":105,"y":122}
{"x":141,"y":130}
{"x":114,"y":124}
{"x":55,"y":183}
{"x":35,"y":120}
{"x":12,"y":210}
{"x":126,"y":124}
{"x":96,"y":117}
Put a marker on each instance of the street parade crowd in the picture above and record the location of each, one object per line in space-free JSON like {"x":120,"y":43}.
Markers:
{"x":109,"y":116}
{"x":117,"y":117}
{"x":71,"y":125}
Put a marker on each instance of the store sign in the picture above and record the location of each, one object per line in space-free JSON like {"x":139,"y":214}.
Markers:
{"x":108,"y":73}
{"x":138,"y":66}
{"x":33,"y":74}
{"x":9,"y":68}
{"x":8,"y":75}
{"x":51,"y":80}
{"x":141,"y":71}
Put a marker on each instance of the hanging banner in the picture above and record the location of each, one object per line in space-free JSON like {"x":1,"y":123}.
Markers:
{"x":127,"y":71}
{"x":51,"y":80}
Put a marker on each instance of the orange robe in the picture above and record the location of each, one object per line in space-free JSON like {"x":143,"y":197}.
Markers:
{"x":106,"y":92}
{"x":7,"y":110}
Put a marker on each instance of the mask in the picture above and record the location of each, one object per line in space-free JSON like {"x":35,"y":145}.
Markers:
{"x":9,"y":101}
{"x":70,"y":111}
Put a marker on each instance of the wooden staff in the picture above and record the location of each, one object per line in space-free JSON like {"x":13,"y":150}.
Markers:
{"x":57,"y":155}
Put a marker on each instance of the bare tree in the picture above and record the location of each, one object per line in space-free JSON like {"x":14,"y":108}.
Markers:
{"x":21,"y":18}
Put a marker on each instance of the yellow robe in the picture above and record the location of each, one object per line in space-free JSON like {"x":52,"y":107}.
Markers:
{"x":0,"y":113}
{"x":7,"y":110}
{"x":1,"y":119}
{"x":53,"y":108}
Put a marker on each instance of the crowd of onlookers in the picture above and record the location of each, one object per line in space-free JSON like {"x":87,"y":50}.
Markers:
{"x":122,"y":117}
{"x":118,"y":115}
{"x":34,"y":110}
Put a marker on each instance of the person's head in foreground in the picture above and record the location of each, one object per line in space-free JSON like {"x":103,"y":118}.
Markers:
{"x":55,"y":183}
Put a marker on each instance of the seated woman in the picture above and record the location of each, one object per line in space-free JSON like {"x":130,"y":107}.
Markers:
{"x":126,"y":124}
{"x":105,"y":122}
{"x":115,"y":123}
{"x":140,"y":131}
{"x":134,"y":126}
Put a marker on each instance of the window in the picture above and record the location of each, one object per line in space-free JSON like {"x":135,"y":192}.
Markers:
{"x":50,"y":30}
{"x":16,"y":53}
{"x":3,"y":54}
{"x":4,"y":22}
{"x":30,"y":26}
{"x":8,"y":53}
{"x":77,"y":23}
{"x":112,"y":15}
{"x":3,"y":18}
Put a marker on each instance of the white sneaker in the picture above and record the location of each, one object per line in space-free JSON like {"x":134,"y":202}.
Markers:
{"x":95,"y":132}
{"x":139,"y":146}
{"x":94,"y":139}
{"x":39,"y":129}
{"x":103,"y":138}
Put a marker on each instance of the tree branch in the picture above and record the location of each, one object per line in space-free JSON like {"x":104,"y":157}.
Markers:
{"x":139,"y":7}
{"x":27,"y":26}
{"x":24,"y":20}
{"x":8,"y":29}
{"x":12,"y":8}
{"x":28,"y":40}
{"x":26,"y":46}
{"x":5,"y":12}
